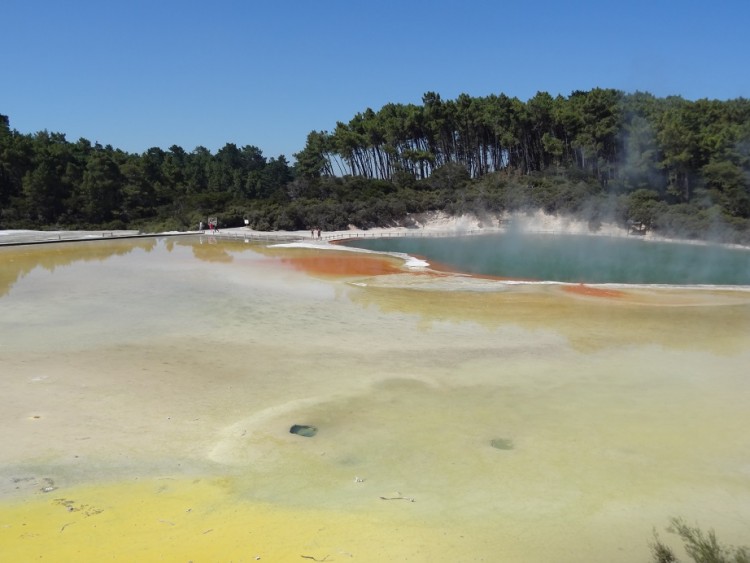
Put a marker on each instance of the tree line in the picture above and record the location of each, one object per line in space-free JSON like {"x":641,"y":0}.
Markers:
{"x":669,"y":164}
{"x":47,"y":181}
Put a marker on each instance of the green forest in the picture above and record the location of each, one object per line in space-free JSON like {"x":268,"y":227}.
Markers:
{"x":671,"y":165}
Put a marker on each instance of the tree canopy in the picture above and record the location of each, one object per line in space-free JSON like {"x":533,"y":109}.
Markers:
{"x":668,"y":164}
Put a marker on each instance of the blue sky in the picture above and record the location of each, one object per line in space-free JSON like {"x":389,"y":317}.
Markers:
{"x":140,"y":74}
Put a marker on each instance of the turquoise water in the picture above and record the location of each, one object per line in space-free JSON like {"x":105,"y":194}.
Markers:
{"x":576,"y":258}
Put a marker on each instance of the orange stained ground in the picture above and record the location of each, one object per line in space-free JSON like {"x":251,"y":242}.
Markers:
{"x":344,"y":265}
{"x":331,"y":264}
{"x":582,"y":289}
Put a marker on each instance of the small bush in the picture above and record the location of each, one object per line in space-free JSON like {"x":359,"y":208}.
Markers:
{"x":701,"y":547}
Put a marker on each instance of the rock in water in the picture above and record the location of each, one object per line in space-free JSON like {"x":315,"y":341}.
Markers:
{"x":502,"y":444}
{"x":303,"y":430}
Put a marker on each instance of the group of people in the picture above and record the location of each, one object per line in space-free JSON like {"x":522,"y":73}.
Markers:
{"x":315,"y":231}
{"x":213,"y":227}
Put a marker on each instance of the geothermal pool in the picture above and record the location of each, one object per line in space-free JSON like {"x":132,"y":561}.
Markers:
{"x":578,"y":258}
{"x":149,"y":387}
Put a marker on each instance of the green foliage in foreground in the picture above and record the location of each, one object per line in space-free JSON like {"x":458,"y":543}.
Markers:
{"x":701,"y":547}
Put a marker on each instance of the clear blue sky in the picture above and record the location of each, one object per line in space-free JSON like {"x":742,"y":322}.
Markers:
{"x":139,"y":74}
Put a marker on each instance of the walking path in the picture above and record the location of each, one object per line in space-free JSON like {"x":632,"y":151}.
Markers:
{"x":24,"y":237}
{"x":433,"y":225}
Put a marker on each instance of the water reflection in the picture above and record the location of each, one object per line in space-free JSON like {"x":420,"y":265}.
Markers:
{"x":19,"y":261}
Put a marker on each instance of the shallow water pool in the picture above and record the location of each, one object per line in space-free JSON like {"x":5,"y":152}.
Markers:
{"x":149,"y":390}
{"x":577,"y":258}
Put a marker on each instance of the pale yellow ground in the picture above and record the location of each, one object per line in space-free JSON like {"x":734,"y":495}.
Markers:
{"x":199,"y":520}
{"x":151,"y":423}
